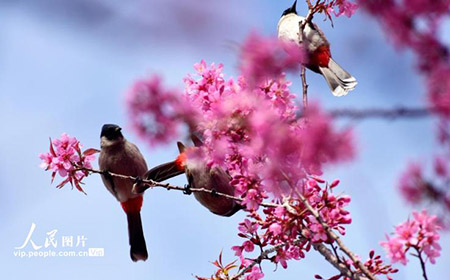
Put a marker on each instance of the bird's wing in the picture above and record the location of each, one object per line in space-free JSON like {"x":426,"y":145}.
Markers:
{"x":108,"y":181}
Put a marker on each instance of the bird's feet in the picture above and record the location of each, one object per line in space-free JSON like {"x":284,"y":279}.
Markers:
{"x":138,"y":180}
{"x":105,"y":173}
{"x":214,"y":192}
{"x":187,"y":189}
{"x":138,"y":186}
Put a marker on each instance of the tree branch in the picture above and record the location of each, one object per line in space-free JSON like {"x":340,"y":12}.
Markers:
{"x":331,"y":258}
{"x":264,"y":254}
{"x":336,"y":238}
{"x":305,"y":88}
{"x":319,"y":247}
{"x":393,"y":113}
{"x":312,"y":10}
{"x":168,"y":186}
{"x":422,"y":263}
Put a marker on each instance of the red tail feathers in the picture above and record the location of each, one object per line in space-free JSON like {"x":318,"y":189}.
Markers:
{"x":138,"y":248}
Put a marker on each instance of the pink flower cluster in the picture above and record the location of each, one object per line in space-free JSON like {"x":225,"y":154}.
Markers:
{"x":417,"y":189}
{"x":255,"y":133}
{"x":152,"y":110}
{"x":419,"y":234}
{"x":415,"y":25}
{"x":66,"y":159}
{"x":336,"y":7}
{"x":252,"y":128}
{"x":400,"y":20}
{"x":282,"y":225}
{"x":263,"y":58}
{"x":344,"y":7}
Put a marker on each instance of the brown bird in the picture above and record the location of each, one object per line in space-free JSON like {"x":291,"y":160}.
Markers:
{"x":199,"y":175}
{"x":123,"y":157}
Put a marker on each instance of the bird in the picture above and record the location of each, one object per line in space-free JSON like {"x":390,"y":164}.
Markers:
{"x":118,"y":155}
{"x":199,"y":175}
{"x":317,"y":48}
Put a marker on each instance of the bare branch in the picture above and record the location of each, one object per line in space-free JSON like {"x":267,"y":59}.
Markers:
{"x":305,"y":88}
{"x":393,"y":113}
{"x":331,"y":258}
{"x":422,"y":263}
{"x":168,"y":186}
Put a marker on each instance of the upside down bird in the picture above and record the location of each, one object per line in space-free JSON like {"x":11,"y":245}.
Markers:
{"x":317,"y":48}
{"x":123,"y":157}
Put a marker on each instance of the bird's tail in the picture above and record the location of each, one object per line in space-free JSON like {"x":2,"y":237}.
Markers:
{"x":138,"y":248}
{"x":339,"y":80}
{"x":164,"y":171}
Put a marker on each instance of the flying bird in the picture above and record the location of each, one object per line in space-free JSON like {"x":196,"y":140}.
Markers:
{"x":120,"y":156}
{"x":199,"y":175}
{"x":317,"y":48}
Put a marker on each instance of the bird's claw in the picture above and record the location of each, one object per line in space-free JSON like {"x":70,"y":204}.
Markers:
{"x":138,"y":187}
{"x":138,"y":180}
{"x":187,"y":189}
{"x":213,"y":192}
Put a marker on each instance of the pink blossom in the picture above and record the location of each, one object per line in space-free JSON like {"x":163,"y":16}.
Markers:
{"x":153,"y":110}
{"x":255,"y":273}
{"x":346,"y":8}
{"x":439,"y":89}
{"x":65,"y":158}
{"x":251,"y":200}
{"x":247,"y":227}
{"x":275,"y":228}
{"x":395,"y":249}
{"x":263,"y":58}
{"x":419,"y":233}
{"x":412,"y":183}
{"x":440,"y":166}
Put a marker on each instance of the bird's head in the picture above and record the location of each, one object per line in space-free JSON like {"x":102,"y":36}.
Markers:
{"x":111,"y":134}
{"x":291,"y":10}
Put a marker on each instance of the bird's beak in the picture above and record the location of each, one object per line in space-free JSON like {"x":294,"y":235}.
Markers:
{"x":118,"y":129}
{"x":294,"y":7}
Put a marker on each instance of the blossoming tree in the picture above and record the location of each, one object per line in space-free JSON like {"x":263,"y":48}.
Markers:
{"x":275,"y":150}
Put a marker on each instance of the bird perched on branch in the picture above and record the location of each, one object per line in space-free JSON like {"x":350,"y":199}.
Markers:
{"x":292,"y":28}
{"x":199,"y":175}
{"x":120,"y":156}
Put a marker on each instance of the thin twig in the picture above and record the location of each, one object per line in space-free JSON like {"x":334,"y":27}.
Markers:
{"x":312,"y":10}
{"x":264,"y":254}
{"x":168,"y":186}
{"x":422,"y":263}
{"x":330,"y":233}
{"x":305,"y":88}
{"x":319,"y":247}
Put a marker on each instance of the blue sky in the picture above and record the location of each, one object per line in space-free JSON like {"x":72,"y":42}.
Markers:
{"x":64,"y":67}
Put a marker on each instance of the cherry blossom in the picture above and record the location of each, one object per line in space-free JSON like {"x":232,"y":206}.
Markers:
{"x":421,"y":233}
{"x":66,"y":159}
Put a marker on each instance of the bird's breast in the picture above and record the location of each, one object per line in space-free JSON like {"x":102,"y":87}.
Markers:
{"x":289,"y":31}
{"x":124,"y":160}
